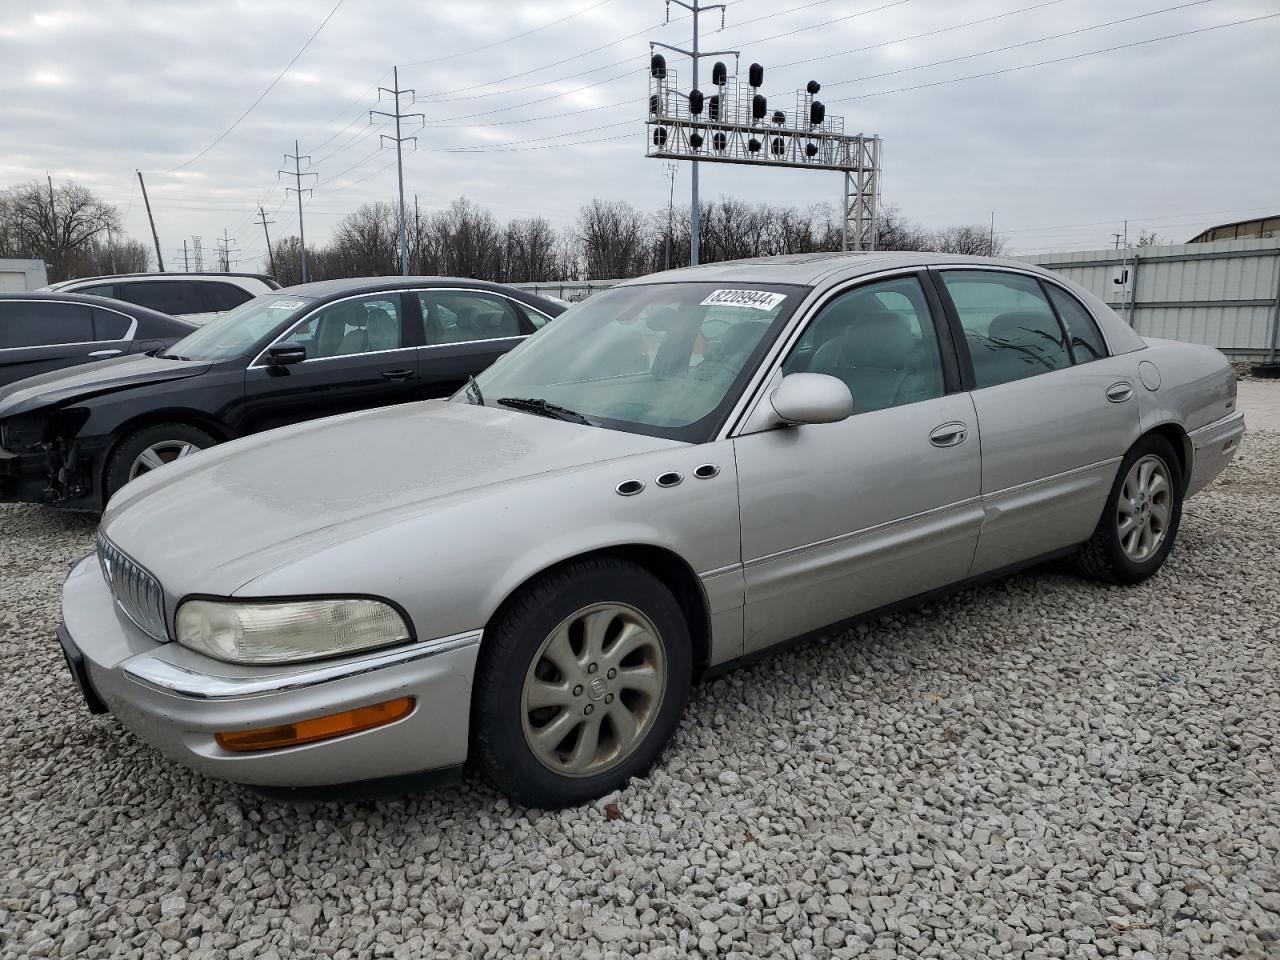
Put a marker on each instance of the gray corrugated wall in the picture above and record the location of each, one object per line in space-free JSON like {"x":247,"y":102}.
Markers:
{"x":1222,"y":294}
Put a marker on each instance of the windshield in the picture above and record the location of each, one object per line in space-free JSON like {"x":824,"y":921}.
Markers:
{"x":663,"y":359}
{"x":238,"y":331}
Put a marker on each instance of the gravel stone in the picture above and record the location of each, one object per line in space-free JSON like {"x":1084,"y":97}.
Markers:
{"x":1040,"y":767}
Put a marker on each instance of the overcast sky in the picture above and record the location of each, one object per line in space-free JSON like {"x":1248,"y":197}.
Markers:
{"x":1174,"y":135}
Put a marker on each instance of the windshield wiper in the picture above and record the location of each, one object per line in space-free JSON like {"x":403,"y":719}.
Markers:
{"x":171,"y":356}
{"x":473,"y":389}
{"x":543,"y":408}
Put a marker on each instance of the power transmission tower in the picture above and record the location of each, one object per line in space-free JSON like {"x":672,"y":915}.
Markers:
{"x":271,"y":254}
{"x":398,"y":140}
{"x":298,"y":188}
{"x":154,"y":236}
{"x":671,"y":202}
{"x":225,"y":250}
{"x":197,"y":252}
{"x":696,"y":7}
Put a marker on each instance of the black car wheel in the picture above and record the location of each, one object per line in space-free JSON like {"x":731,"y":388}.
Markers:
{"x":1140,"y":521}
{"x":582,"y":681}
{"x":149,"y":449}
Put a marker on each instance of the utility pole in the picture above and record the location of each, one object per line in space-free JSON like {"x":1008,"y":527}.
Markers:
{"x":398,"y":140}
{"x":417,"y":234}
{"x":271,"y":254}
{"x":154,"y":236}
{"x":111,"y":250}
{"x":696,"y":7}
{"x":225,"y":251}
{"x":1117,"y":236}
{"x":298,"y":188}
{"x":671,"y":202}
{"x":186,"y":261}
{"x":991,"y":239}
{"x":53,"y":225}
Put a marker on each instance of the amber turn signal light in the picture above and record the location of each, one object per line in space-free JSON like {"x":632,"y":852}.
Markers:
{"x":317,"y":728}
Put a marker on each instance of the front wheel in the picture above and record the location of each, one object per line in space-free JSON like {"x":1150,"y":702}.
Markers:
{"x":581,"y":683}
{"x":1141,"y":519}
{"x":149,"y":449}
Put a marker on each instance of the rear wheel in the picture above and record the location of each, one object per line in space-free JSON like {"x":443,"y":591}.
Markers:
{"x":151,"y":448}
{"x":581,"y":683}
{"x":1141,"y":518}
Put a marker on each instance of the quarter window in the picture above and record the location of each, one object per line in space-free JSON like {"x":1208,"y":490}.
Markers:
{"x":1011,"y":330}
{"x":220,"y":297}
{"x":106,"y":290}
{"x":880,"y":340}
{"x":108,"y":325}
{"x":1086,"y":339}
{"x":30,"y":323}
{"x":361,"y":325}
{"x":459,"y":316}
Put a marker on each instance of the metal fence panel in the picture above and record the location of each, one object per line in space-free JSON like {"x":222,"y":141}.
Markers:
{"x":1224,"y":294}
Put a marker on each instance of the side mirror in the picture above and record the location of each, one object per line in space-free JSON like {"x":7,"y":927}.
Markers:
{"x":812,"y":398}
{"x":285,"y":354}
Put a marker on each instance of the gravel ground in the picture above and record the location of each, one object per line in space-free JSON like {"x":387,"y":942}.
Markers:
{"x":1039,"y":768}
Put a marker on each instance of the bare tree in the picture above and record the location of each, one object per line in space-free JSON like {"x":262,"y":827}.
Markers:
{"x":612,"y":234}
{"x":53,"y":228}
{"x":366,"y":241}
{"x":97,"y":258}
{"x":970,"y":239}
{"x":469,"y":241}
{"x":1149,"y":238}
{"x":530,"y":248}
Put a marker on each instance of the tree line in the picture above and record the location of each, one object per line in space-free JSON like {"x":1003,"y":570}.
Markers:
{"x":77,"y":234}
{"x":609,"y":239}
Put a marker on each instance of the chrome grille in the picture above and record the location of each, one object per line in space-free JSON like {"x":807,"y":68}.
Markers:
{"x":136,"y":591}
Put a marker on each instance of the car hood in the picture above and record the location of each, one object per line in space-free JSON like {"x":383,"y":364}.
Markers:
{"x":213,"y":522}
{"x":92,"y":379}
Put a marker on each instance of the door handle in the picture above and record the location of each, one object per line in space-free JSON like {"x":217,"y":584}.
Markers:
{"x":1120,"y":392}
{"x":105,"y":353}
{"x":949,"y":434}
{"x":396,"y":374}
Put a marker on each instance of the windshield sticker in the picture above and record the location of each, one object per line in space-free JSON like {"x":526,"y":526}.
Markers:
{"x":755,"y":299}
{"x":286,"y":304}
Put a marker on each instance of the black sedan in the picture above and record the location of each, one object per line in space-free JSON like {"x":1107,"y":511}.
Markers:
{"x":40,"y":332}
{"x":72,"y":438}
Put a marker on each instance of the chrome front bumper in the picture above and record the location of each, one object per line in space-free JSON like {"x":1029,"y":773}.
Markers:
{"x":177,"y":700}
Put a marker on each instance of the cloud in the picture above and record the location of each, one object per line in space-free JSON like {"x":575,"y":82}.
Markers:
{"x":1165,"y":135}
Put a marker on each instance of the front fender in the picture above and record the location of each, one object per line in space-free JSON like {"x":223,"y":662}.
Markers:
{"x":452,"y":567}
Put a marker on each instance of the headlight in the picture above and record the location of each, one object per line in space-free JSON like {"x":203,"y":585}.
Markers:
{"x":287,"y":631}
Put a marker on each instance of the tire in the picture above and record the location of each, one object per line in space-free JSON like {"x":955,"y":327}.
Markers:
{"x":555,"y":618}
{"x":1110,"y":556}
{"x":179,"y":438}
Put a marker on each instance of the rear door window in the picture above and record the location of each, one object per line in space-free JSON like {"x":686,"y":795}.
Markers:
{"x":173,"y":297}
{"x":102,"y":290}
{"x":1011,"y":330}
{"x":30,"y":323}
{"x":463,"y":316}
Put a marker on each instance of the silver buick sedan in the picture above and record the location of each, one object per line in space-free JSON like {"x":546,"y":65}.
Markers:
{"x":674,"y":476}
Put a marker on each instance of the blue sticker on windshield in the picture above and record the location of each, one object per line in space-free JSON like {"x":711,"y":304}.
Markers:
{"x":755,"y":299}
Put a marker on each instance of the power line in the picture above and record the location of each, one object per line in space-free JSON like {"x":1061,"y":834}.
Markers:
{"x":262,"y":96}
{"x":1024,"y":43}
{"x":1045,"y":63}
{"x":517,"y":36}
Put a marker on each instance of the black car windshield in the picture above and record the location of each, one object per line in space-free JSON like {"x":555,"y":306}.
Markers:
{"x":664,"y":359}
{"x":237,"y":332}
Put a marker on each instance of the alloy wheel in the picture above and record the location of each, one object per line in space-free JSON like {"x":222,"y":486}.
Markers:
{"x":1144,"y":508}
{"x":158,"y":454}
{"x":593,"y":690}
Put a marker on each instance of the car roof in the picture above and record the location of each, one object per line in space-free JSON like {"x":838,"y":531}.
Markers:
{"x":119,"y":306}
{"x":167,"y":275}
{"x":811,"y":269}
{"x":345,"y":286}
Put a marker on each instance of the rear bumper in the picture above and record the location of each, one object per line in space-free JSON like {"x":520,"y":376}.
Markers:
{"x":177,"y":700}
{"x":1215,"y":446}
